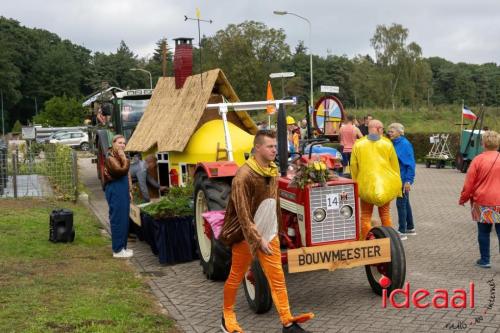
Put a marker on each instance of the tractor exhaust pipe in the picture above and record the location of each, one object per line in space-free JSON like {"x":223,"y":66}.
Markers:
{"x":282,"y":140}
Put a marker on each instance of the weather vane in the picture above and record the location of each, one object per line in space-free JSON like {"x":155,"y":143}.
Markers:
{"x":198,"y":18}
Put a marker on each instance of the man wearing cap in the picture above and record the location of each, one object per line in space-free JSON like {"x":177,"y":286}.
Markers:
{"x":293,"y":135}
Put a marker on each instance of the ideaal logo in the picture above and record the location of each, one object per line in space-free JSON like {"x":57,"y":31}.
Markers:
{"x":422,"y":298}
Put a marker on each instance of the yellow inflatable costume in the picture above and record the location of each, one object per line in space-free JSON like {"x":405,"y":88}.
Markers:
{"x":375,"y":167}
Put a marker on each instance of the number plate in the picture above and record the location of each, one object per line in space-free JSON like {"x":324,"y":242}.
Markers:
{"x":332,"y":201}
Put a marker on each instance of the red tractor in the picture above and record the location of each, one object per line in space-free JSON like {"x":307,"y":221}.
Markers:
{"x":321,"y":224}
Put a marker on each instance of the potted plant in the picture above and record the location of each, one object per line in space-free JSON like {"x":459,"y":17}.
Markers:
{"x":170,"y":224}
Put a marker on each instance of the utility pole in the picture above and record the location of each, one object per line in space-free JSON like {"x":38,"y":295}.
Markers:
{"x":198,"y":15}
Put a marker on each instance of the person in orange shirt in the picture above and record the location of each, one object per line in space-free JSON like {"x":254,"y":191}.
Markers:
{"x":482,"y":189}
{"x":348,"y":135}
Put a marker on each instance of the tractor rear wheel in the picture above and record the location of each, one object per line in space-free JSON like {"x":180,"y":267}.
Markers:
{"x":257,"y":291}
{"x":395,"y":270}
{"x":211,"y":194}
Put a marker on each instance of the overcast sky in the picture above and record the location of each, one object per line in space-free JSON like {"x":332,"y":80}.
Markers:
{"x":458,"y":30}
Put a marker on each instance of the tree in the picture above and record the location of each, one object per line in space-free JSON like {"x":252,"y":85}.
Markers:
{"x":17,"y":128}
{"x":401,"y":63}
{"x":154,"y":65}
{"x":247,"y":53}
{"x":115,"y":69}
{"x":61,"y":111}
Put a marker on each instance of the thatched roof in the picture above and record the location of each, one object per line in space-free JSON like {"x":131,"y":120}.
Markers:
{"x":173,"y":115}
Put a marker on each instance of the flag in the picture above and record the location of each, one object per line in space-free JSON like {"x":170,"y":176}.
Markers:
{"x":270,"y":108}
{"x":466,"y":113}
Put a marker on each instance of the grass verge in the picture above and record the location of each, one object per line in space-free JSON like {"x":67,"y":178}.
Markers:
{"x":75,"y":287}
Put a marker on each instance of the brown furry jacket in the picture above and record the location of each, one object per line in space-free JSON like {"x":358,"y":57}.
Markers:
{"x":116,"y":166}
{"x":248,"y":191}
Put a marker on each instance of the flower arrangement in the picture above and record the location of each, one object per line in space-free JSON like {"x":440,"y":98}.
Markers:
{"x":310,"y":172}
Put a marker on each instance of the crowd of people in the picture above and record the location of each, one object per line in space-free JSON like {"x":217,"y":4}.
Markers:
{"x":382,"y":161}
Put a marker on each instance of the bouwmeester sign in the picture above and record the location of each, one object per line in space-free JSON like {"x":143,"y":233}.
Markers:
{"x":343,"y":255}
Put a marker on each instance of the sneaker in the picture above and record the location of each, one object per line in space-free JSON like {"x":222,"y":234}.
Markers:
{"x":483,"y":265}
{"x":123,"y":254}
{"x":130,"y":251}
{"x":223,"y":327}
{"x":294,"y":328}
{"x":402,"y":236}
{"x":411,"y":232}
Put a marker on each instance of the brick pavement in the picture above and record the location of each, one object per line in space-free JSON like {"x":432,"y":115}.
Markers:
{"x":442,"y":255}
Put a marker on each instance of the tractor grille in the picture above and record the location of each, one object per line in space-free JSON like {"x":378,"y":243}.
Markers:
{"x":334,"y":227}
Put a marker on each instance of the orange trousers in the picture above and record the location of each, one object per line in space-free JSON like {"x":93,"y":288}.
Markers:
{"x":271,"y":265}
{"x":366,"y":217}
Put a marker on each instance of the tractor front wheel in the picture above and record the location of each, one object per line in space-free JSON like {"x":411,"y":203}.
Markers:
{"x":211,"y":194}
{"x":395,"y":270}
{"x":257,"y":290}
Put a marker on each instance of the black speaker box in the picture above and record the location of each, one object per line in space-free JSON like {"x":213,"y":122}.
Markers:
{"x":61,"y":226}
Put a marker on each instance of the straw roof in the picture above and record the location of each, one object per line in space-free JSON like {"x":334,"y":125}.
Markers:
{"x":173,"y":115}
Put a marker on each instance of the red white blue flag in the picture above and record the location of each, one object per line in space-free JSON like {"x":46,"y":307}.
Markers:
{"x":466,"y":113}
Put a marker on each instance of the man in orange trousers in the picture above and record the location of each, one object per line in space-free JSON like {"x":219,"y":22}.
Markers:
{"x":251,"y":227}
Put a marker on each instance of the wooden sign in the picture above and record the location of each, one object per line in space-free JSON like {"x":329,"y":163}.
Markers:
{"x":343,"y":255}
{"x":135,"y":214}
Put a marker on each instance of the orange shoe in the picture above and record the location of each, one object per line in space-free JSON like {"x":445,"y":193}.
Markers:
{"x":232,"y":326}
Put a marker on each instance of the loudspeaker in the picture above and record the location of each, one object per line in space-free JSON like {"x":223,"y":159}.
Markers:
{"x":61,"y":226}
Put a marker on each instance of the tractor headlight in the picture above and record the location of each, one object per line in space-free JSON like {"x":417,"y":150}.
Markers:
{"x":319,"y":214}
{"x":346,"y":211}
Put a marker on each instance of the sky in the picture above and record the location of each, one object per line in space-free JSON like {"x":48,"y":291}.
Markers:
{"x":457,"y":30}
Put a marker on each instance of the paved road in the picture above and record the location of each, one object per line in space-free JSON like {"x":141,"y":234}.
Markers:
{"x":442,"y":255}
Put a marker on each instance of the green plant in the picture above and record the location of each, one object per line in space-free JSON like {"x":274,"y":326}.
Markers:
{"x":177,"y":202}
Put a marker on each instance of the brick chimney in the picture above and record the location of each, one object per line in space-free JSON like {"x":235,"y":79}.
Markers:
{"x":183,"y":60}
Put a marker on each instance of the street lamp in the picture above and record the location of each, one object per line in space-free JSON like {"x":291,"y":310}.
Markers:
{"x":145,"y":71}
{"x":284,"y":12}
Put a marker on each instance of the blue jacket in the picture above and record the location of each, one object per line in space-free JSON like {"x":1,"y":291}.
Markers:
{"x":406,"y":158}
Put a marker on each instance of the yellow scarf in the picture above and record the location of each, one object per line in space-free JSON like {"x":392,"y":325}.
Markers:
{"x":270,"y":171}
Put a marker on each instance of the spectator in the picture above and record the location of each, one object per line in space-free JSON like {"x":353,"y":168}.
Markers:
{"x":406,"y":159}
{"x":348,"y":135}
{"x":139,"y":174}
{"x":364,"y":127}
{"x":154,"y":187}
{"x":374,"y":165}
{"x":303,"y":129}
{"x":292,"y":135}
{"x":482,"y":189}
{"x":117,"y":189}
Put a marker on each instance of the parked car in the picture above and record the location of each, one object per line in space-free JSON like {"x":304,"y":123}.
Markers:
{"x":75,"y":139}
{"x":50,"y":137}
